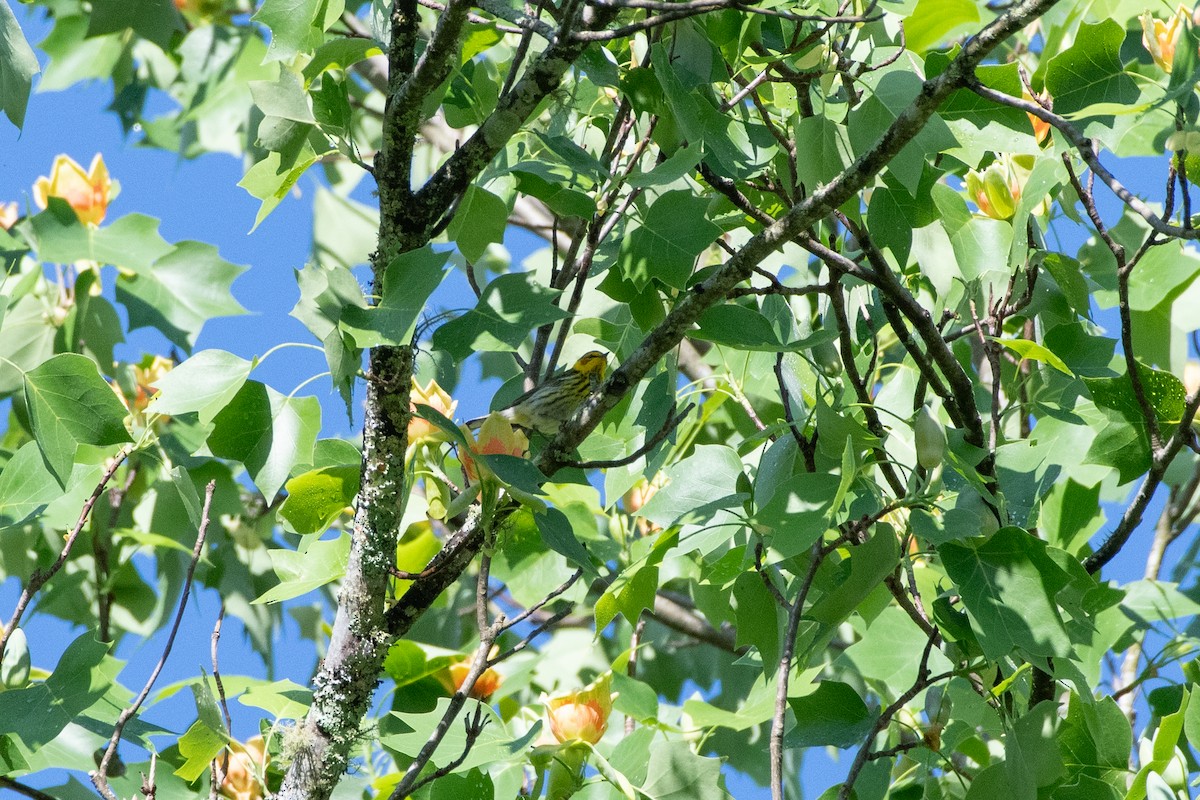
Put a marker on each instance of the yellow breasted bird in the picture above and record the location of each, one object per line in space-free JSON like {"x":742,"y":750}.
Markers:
{"x":546,"y":407}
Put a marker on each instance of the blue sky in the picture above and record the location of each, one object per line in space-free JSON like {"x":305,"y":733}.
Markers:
{"x":200,"y":200}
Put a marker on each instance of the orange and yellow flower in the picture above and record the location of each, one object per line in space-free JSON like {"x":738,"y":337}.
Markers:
{"x":486,"y":684}
{"x":1041,"y":128}
{"x":496,"y":436}
{"x":1161,"y":37}
{"x":9,"y":214}
{"x":434,"y":396}
{"x":88,"y":193}
{"x":246,"y":763}
{"x":582,"y":715}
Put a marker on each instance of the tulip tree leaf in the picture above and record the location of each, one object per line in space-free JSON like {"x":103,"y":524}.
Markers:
{"x":297,"y":26}
{"x":38,"y":713}
{"x":204,"y":384}
{"x":318,"y":497}
{"x":1033,"y":351}
{"x":1091,"y":71}
{"x":26,"y":486}
{"x":511,"y":306}
{"x":674,"y":231}
{"x":154,"y":20}
{"x":132,"y":241}
{"x":677,"y":773}
{"x":69,"y":405}
{"x":480,"y":220}
{"x":870,"y":563}
{"x":180,"y":292}
{"x":833,"y":715}
{"x":1008,"y":584}
{"x":301,"y":572}
{"x":932,"y":21}
{"x":267,"y":432}
{"x":407,"y":284}
{"x":18,"y":65}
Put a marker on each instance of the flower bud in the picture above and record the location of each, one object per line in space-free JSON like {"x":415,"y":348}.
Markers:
{"x":582,"y":715}
{"x":930,"y":439}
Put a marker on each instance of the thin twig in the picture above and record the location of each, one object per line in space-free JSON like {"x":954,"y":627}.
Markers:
{"x":99,"y":775}
{"x":20,"y":788}
{"x":783,"y":671}
{"x":216,"y":638}
{"x":39,"y":578}
{"x":409,"y":783}
{"x":663,"y":432}
{"x":635,"y":641}
{"x":538,"y":606}
{"x":1087,"y":150}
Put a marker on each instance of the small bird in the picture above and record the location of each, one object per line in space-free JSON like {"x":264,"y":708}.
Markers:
{"x":545,"y":408}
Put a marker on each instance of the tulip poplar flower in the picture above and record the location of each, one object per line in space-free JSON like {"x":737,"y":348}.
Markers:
{"x":88,"y":193}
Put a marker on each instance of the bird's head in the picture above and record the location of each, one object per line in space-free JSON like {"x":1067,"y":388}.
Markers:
{"x":593,"y":364}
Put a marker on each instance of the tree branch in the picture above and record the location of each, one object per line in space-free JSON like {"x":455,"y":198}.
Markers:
{"x":99,"y":775}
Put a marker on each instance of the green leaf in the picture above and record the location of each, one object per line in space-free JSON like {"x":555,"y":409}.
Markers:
{"x":796,"y":514}
{"x":723,"y":136}
{"x":74,"y":58}
{"x":1164,"y":392}
{"x":297,"y":26}
{"x":1091,"y":71}
{"x":318,"y":497}
{"x":822,"y":150}
{"x":267,"y":432}
{"x":474,"y":785}
{"x":932,"y":22}
{"x":181,"y":292}
{"x":344,"y":231}
{"x":342,"y":54}
{"x":511,"y":306}
{"x":204,"y":384}
{"x":409,"y":281}
{"x":26,"y":486}
{"x":480,"y":220}
{"x":69,"y":405}
{"x":697,"y":487}
{"x":676,"y":773}
{"x":560,"y":537}
{"x":198,"y":747}
{"x":272,"y":178}
{"x":870,"y":563}
{"x":745,"y":328}
{"x":301,"y":572}
{"x":283,"y":97}
{"x":759,"y":620}
{"x":494,"y":746}
{"x":833,"y":715}
{"x":1008,"y":584}
{"x":132,"y":241}
{"x":674,"y":232}
{"x":282,"y":699}
{"x":154,"y":20}
{"x":1033,"y":351}
{"x":1095,"y":740}
{"x":325,"y":295}
{"x":38,"y":713}
{"x":18,"y":65}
